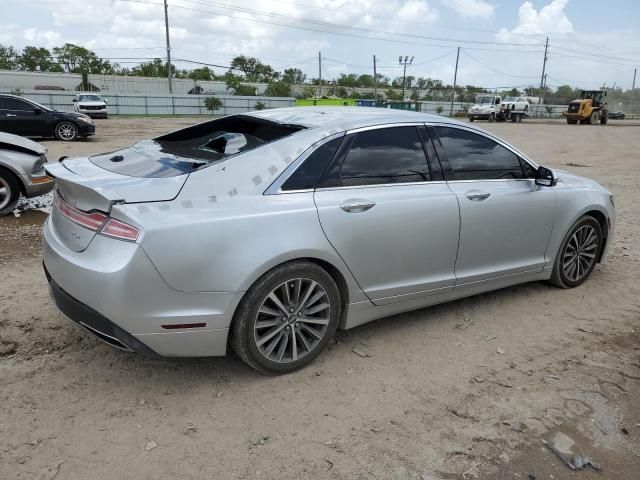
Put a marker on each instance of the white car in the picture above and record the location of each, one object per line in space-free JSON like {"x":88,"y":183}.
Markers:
{"x":516,"y":107}
{"x":90,"y":104}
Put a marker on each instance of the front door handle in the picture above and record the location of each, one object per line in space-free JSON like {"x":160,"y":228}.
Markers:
{"x":477,"y":196}
{"x":357,"y":205}
{"x":11,"y":115}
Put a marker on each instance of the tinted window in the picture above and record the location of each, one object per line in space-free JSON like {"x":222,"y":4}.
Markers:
{"x":308,"y":174}
{"x":389,"y":155}
{"x":475,"y":157}
{"x":9,"y":103}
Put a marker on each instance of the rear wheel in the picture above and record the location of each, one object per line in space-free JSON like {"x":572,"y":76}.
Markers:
{"x":578,"y":253}
{"x":66,"y":131}
{"x":9,"y":192}
{"x":286,"y":318}
{"x":594,"y":119}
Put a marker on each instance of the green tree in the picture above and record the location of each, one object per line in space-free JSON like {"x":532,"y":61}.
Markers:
{"x":253,"y":70}
{"x":278,"y":89}
{"x":203,"y":73}
{"x":8,"y":58}
{"x":37,"y":59}
{"x":234,"y":82}
{"x":293,"y":76}
{"x":154,"y":68}
{"x":77,"y":59}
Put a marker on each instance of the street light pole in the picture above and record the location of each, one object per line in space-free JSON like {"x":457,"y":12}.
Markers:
{"x":404,"y":62}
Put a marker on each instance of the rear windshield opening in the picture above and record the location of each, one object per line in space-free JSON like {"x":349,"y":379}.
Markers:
{"x":221,"y":138}
{"x":189,"y":149}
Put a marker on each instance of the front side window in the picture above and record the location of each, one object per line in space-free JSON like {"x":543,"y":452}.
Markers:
{"x":380,"y":156}
{"x":15,"y":104}
{"x":476,"y":157}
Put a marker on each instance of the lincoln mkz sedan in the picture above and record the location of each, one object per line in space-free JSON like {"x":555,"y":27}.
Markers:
{"x":269,"y":230}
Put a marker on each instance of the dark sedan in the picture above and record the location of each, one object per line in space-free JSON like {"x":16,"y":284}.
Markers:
{"x":616,"y":115}
{"x":30,"y":119}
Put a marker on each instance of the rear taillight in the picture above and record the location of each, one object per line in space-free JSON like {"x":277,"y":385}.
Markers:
{"x":91,"y":220}
{"x":120,"y":230}
{"x":98,"y":222}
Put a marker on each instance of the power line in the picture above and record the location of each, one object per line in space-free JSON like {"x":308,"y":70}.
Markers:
{"x":494,"y":69}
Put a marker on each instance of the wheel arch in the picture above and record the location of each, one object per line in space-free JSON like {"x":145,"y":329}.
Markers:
{"x":603,"y":220}
{"x":5,"y":168}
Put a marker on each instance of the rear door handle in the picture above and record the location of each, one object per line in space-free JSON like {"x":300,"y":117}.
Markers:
{"x":11,"y":115}
{"x":357,"y":205}
{"x":477,"y":196}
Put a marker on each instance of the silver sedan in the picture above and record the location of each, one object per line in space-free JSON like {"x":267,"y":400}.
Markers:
{"x":268,"y":231}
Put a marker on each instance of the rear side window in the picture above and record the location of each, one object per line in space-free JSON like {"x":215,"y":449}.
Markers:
{"x":385,"y":155}
{"x":476,"y":157}
{"x":308,"y":174}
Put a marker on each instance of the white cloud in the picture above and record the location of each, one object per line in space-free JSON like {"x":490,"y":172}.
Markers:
{"x":413,"y":9}
{"x":550,"y":19}
{"x":47,"y":38}
{"x":471,"y":8}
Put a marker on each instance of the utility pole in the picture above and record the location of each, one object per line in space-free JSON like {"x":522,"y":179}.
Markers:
{"x":455,"y":79}
{"x":320,"y":73}
{"x":375,"y":79}
{"x":633,"y":87}
{"x":544,"y":66}
{"x":166,"y":28}
{"x":404,"y":73}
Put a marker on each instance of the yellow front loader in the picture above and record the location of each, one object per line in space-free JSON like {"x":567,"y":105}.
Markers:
{"x":590,"y":108}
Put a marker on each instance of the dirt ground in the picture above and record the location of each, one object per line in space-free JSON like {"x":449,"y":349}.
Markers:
{"x":464,"y":390}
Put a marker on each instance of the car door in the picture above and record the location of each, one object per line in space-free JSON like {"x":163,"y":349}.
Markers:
{"x":22,"y":117}
{"x":389,"y":216}
{"x":506,"y":219}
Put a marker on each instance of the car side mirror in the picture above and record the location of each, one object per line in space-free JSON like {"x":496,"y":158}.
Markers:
{"x":74,"y":100}
{"x":105,"y":101}
{"x":545,"y":178}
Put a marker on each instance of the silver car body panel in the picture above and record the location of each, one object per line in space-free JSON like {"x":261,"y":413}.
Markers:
{"x":421,"y":244}
{"x":20,"y":155}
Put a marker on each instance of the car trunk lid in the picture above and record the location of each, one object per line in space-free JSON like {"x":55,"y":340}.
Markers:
{"x":85,"y":191}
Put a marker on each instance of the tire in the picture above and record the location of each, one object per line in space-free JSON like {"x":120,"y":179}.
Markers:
{"x":471,"y":119}
{"x":9,"y":192}
{"x":579,"y":250}
{"x":594,"y":119}
{"x":604,"y":119}
{"x":492,"y":117}
{"x":269,"y":348}
{"x":515,"y":117}
{"x":66,"y":131}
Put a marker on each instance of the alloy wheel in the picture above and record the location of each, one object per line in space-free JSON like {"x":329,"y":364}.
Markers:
{"x":292,"y":320}
{"x":580,"y":253}
{"x":67,"y":131}
{"x":5,"y":193}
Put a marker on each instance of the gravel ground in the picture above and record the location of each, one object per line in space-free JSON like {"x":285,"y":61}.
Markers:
{"x":465,"y":390}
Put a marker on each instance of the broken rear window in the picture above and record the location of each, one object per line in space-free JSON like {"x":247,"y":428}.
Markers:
{"x":191,"y":148}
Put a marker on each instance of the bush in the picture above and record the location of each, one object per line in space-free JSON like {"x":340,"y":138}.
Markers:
{"x":212,"y":103}
{"x":439,"y":109}
{"x":260,"y":106}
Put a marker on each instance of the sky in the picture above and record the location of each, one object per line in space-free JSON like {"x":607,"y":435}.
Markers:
{"x":502,"y":41}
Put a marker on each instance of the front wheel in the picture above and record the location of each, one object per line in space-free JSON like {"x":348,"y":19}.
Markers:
{"x":9,"y":192}
{"x":286,"y":318}
{"x":578,"y":253}
{"x":595,"y":118}
{"x":66,"y":131}
{"x":492,"y":117}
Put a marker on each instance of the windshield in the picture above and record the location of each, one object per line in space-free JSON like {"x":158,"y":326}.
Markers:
{"x":484,"y":99}
{"x":89,"y":98}
{"x":510,"y":99}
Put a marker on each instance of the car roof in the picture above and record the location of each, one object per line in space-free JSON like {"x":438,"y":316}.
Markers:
{"x":344,"y":118}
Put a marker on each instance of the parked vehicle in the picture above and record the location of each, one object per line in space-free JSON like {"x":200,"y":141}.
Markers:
{"x":22,"y":171}
{"x":617,"y":115}
{"x":514,"y":109}
{"x":271,"y":229}
{"x":90,"y":104}
{"x":590,"y":108}
{"x":21,"y":116}
{"x":486,"y":107}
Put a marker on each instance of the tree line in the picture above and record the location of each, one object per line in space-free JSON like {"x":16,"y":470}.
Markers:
{"x":245,"y":70}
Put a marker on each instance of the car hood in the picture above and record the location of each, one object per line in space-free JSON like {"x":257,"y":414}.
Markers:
{"x":22,"y":143}
{"x":576,"y":181}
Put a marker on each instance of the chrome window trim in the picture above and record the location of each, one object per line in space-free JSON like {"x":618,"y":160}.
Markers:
{"x":276,"y":186}
{"x":488,"y":135}
{"x":375,"y":185}
{"x":384,"y":125}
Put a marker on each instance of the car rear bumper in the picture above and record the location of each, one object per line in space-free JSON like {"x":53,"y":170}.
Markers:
{"x":113,"y":290}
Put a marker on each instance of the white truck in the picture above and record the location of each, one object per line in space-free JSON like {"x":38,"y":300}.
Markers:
{"x":494,"y":108}
{"x":90,"y":104}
